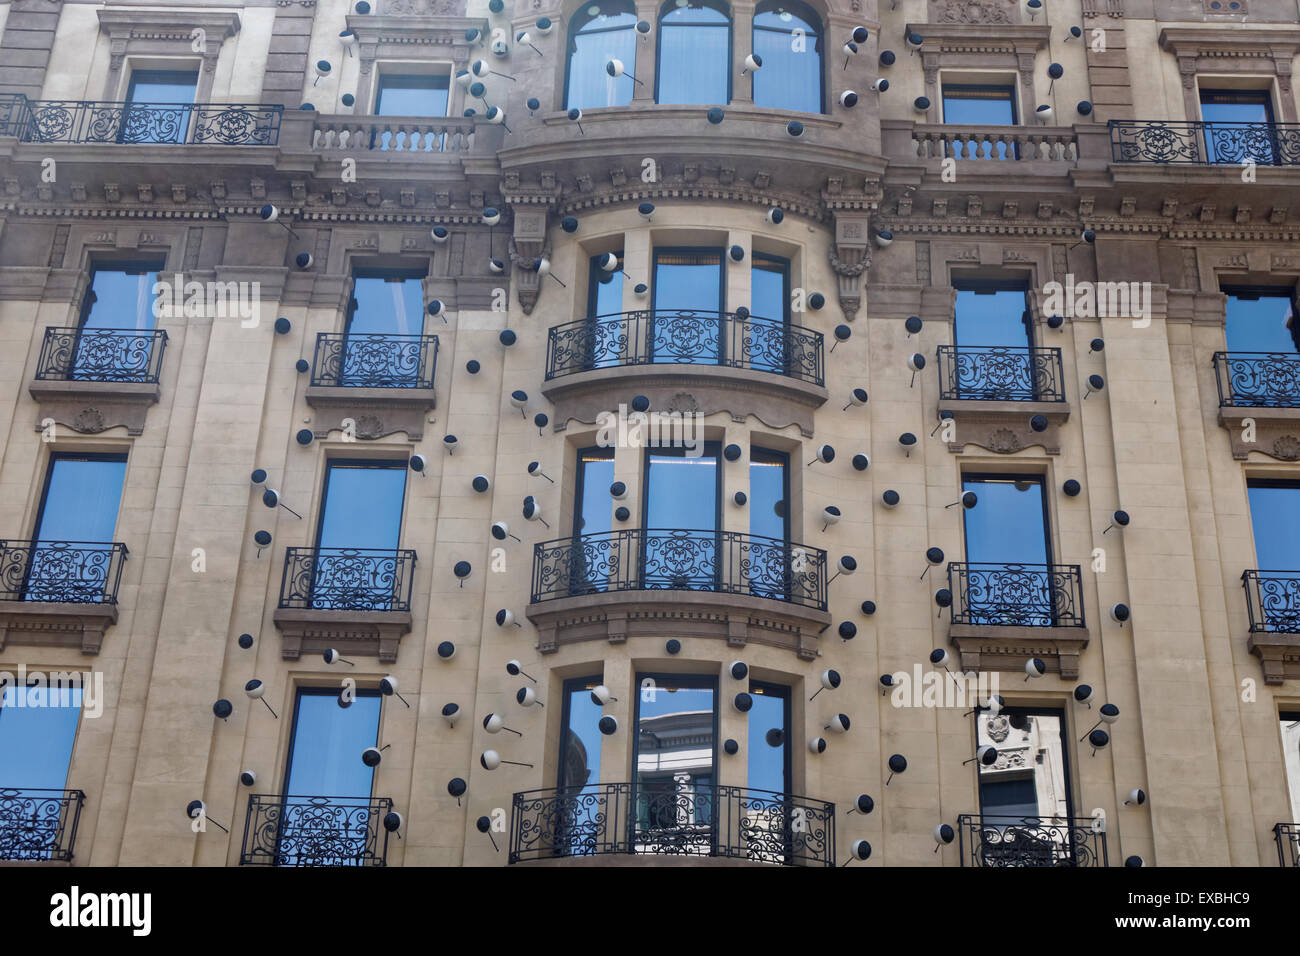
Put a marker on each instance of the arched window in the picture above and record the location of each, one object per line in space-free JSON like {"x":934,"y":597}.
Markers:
{"x":694,"y":53}
{"x":597,"y":32}
{"x":788,"y":38}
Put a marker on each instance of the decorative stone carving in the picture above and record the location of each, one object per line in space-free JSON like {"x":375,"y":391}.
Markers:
{"x":1009,"y":648}
{"x":94,"y":407}
{"x":1003,"y":427}
{"x":55,"y":624}
{"x":352,"y":633}
{"x":970,"y":11}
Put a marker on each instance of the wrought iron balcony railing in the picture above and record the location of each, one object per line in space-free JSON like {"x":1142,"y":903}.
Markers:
{"x":685,"y":337}
{"x":315,"y":831}
{"x":992,"y":840}
{"x":1287,"y":836}
{"x":1016,"y":595}
{"x":1258,"y":379}
{"x":374,"y":361}
{"x":107,"y":121}
{"x":1205,"y":144}
{"x":39,"y":824}
{"x":689,"y":819}
{"x":73,"y":572}
{"x":725,"y":562}
{"x":1000,"y":373}
{"x":101,"y":355}
{"x":347,"y":579}
{"x":1272,"y":601}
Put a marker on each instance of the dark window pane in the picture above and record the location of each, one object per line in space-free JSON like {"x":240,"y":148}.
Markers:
{"x":122,"y":299}
{"x":978,"y":106}
{"x":993,"y":318}
{"x":791,"y":75}
{"x":1275,"y":520}
{"x":694,"y":55}
{"x":38,"y":726}
{"x":162,"y":86}
{"x":1259,"y":322}
{"x":600,"y":32}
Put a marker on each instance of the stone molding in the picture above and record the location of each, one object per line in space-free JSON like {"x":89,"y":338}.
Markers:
{"x":352,"y":633}
{"x":94,"y":407}
{"x":55,"y":624}
{"x":994,"y":648}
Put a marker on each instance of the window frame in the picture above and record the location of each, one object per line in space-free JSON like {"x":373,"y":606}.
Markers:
{"x":810,"y":18}
{"x":376,"y":463}
{"x":1253,"y":292}
{"x":567,"y":688}
{"x":56,"y":456}
{"x":315,"y":691}
{"x":712,"y":449}
{"x":783,"y":459}
{"x":686,"y":680}
{"x":1038,"y":479}
{"x":1265,"y":96}
{"x":988,"y":287}
{"x":1037,"y":710}
{"x":722,"y":7}
{"x":580,"y":482}
{"x":786,"y":693}
{"x":574,"y":30}
{"x":385,"y":75}
{"x":722,"y":341}
{"x":969,"y":88}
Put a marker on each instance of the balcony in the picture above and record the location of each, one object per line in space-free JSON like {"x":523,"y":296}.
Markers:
{"x":94,"y":379}
{"x":1264,"y":387}
{"x":39,"y":825}
{"x":59,"y":593}
{"x":1205,"y":144}
{"x":1287,"y":837}
{"x":714,"y":355}
{"x":992,"y":392}
{"x":383,"y":383}
{"x":392,"y":137}
{"x":738,"y":587}
{"x":1273,"y":606}
{"x":155,"y":124}
{"x":991,"y":840}
{"x":353,"y":599}
{"x":1010,"y":144}
{"x":692,"y":823}
{"x":315,"y":831}
{"x":1005,"y":614}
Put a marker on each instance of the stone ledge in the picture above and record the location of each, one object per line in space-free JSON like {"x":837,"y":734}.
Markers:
{"x":91,"y":407}
{"x":1279,"y":655}
{"x":735,"y":618}
{"x":55,"y":624}
{"x":642,"y":860}
{"x":998,"y":648}
{"x":775,"y":400}
{"x":352,"y":633}
{"x":1277,"y":431}
{"x":375,"y":412}
{"x":1003,"y":426}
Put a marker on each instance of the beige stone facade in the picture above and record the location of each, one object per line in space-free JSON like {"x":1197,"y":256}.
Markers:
{"x":1201,"y":700}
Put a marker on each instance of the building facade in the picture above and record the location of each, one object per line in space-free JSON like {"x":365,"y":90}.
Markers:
{"x":638,"y":433}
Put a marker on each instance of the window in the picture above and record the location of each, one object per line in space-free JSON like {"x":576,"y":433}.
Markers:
{"x":675,"y":755}
{"x":579,"y":736}
{"x":608,"y":334}
{"x":1007,"y":549}
{"x":765,"y":339}
{"x":600,"y":32}
{"x":158,"y":106}
{"x":412,"y":94}
{"x":38,"y":727}
{"x":682,"y":520}
{"x":975,"y":105}
{"x":694,"y":53}
{"x":358,"y":535}
{"x":769,"y":524}
{"x":1290,"y":727}
{"x":993,"y":338}
{"x":72,"y":558}
{"x":325,"y":761}
{"x":1027,"y":790}
{"x":1260,"y":320}
{"x":768,"y":745}
{"x":1275,"y":519}
{"x":1238,"y":126}
{"x":791,"y":76}
{"x":113,"y":341}
{"x":686,"y":305}
{"x":592,"y":516}
{"x":383,"y":342}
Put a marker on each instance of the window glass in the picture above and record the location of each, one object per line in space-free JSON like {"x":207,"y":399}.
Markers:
{"x":153,"y":89}
{"x":1290,"y":727}
{"x":988,"y":316}
{"x":979,"y":105}
{"x":674,"y":760}
{"x":791,"y":75}
{"x":407,"y":94}
{"x":38,"y":726}
{"x":122,"y":298}
{"x":1030,"y":778}
{"x":1008,"y":524}
{"x":162,"y":86}
{"x":1260,"y":321}
{"x":325,"y":758}
{"x":605,"y":290}
{"x":681,"y":491}
{"x":687,"y":297}
{"x":1236,"y":106}
{"x":768,"y":746}
{"x":769,"y":284}
{"x":1275,"y":520}
{"x":592,"y":510}
{"x":694,"y":53}
{"x":600,"y":32}
{"x":769,"y":513}
{"x":580,"y":736}
{"x":82,"y":495}
{"x":1226,"y":139}
{"x":362,"y":506}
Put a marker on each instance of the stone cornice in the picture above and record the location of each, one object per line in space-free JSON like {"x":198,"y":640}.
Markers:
{"x":169,"y":24}
{"x":1229,"y":40}
{"x":996,"y":38}
{"x":739,"y":192}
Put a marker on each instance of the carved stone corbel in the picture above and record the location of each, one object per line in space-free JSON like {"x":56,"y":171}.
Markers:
{"x":527,"y":244}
